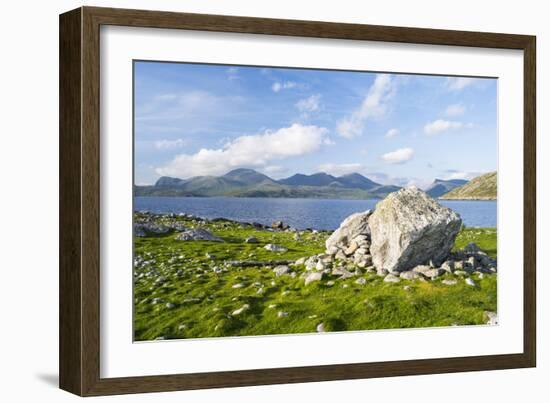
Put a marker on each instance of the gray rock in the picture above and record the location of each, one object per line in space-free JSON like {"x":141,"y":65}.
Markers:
{"x":470,"y":282}
{"x":251,"y":240}
{"x":353,"y":226}
{"x":492,"y":318}
{"x":197,"y":234}
{"x":449,"y":282}
{"x":390,"y":278}
{"x":361,"y":281}
{"x":275,"y":248}
{"x":409,"y":228}
{"x":281,"y":270}
{"x":282,"y":314}
{"x":242,"y":309}
{"x":312,"y":277}
{"x":472,"y":248}
{"x":433,"y":273}
{"x":409,"y":275}
{"x":320,"y":328}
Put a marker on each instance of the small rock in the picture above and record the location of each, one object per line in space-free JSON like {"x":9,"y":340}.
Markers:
{"x":492,"y":318}
{"x":275,"y":248}
{"x":330,"y":283}
{"x":407,"y":288}
{"x":170,"y":305}
{"x":242,"y":309}
{"x":271,"y":306}
{"x":321,"y":328}
{"x":449,"y":282}
{"x":300,"y":261}
{"x":472,"y":248}
{"x":390,"y":278}
{"x":251,"y":240}
{"x":239,"y":285}
{"x":281,"y":270}
{"x":409,"y":275}
{"x":320,"y":266}
{"x":433,"y":273}
{"x":197,"y":234}
{"x":282,"y":314}
{"x":361,"y":281}
{"x":312,"y":277}
{"x":470,"y":282}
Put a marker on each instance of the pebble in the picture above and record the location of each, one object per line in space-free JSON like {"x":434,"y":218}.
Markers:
{"x":239,"y":285}
{"x":321,"y":328}
{"x":361,"y":281}
{"x":282,"y":314}
{"x":390,"y":278}
{"x":242,"y":309}
{"x":470,"y":282}
{"x":449,"y":282}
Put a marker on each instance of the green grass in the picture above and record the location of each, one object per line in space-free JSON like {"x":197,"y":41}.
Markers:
{"x":180,"y":273}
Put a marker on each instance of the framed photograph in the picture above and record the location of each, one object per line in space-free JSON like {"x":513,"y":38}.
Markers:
{"x":249,"y":201}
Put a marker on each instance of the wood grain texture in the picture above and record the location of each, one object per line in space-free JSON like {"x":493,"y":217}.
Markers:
{"x":70,"y":274}
{"x":80,"y":200}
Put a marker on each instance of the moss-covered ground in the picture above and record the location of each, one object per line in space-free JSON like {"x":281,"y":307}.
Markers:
{"x":186,"y":289}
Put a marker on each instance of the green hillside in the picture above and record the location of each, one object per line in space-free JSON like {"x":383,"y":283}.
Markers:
{"x":483,"y":187}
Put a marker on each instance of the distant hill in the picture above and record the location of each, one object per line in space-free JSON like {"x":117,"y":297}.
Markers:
{"x":318,"y":179}
{"x":483,"y":187}
{"x":441,"y":186}
{"x":250,"y":183}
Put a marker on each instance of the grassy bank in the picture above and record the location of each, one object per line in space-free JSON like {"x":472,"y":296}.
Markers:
{"x":187,"y":289}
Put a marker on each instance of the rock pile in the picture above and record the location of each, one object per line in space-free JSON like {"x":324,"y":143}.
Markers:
{"x":409,"y":236}
{"x":352,"y":240}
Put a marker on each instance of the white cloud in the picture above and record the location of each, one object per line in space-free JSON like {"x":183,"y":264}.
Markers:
{"x":169,"y":144}
{"x":458,"y":83}
{"x":391,"y":133}
{"x":341,"y":169}
{"x":309,"y":104}
{"x":374,"y":105}
{"x":278,"y":86}
{"x":253,"y":151}
{"x":441,"y":125}
{"x":399,"y":156}
{"x":454,"y":174}
{"x":455,"y":110}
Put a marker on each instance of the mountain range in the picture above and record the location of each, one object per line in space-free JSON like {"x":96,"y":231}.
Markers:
{"x":250,"y":183}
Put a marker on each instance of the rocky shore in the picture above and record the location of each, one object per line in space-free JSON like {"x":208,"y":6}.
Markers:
{"x":410,"y":252}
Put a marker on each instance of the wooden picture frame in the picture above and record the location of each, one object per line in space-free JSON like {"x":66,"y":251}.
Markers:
{"x":79,"y":346}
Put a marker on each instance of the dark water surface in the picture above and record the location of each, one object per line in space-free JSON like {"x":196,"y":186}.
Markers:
{"x":299,"y":213}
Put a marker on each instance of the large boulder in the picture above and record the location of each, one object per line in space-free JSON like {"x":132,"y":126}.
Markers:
{"x":409,"y":228}
{"x":353,"y":233}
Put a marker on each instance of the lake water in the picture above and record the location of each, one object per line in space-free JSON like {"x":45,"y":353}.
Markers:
{"x":298,"y":213}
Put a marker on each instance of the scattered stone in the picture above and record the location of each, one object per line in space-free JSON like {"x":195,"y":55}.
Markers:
{"x":409,"y":228}
{"x":239,"y":285}
{"x":281,"y":270}
{"x":460,"y":273}
{"x":433,"y":273}
{"x":321,"y":328}
{"x":275,"y":248}
{"x":407,"y":288}
{"x":409,"y":275}
{"x":271,"y":306}
{"x":472,"y":248}
{"x":312,"y":277}
{"x":320,"y":266}
{"x":170,"y":305}
{"x":470,"y":282}
{"x":197,"y":234}
{"x":390,"y":278}
{"x":282,"y":314}
{"x":492,"y":318}
{"x":330,"y":283}
{"x":449,"y":282}
{"x":251,"y":239}
{"x":448,"y":266}
{"x":242,"y":309}
{"x":300,"y":261}
{"x":361,"y":281}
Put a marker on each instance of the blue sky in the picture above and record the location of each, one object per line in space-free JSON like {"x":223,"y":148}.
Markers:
{"x":196,"y":119}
